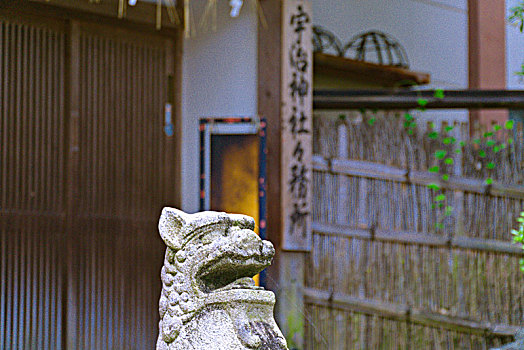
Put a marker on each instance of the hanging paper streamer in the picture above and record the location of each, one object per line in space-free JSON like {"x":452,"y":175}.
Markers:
{"x":260,"y":12}
{"x":209,"y":15}
{"x":236,"y":5}
{"x":158,"y":14}
{"x":121,"y":8}
{"x":208,"y":19}
{"x":187,"y":25}
{"x":172,"y":12}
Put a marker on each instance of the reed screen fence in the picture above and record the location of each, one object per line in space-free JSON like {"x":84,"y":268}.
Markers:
{"x":381,"y":273}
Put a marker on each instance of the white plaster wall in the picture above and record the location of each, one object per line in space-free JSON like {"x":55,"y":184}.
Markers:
{"x":219,"y":79}
{"x":433,"y":32}
{"x":514,"y":53}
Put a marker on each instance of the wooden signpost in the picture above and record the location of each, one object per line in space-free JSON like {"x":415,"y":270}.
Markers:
{"x":296,"y":124}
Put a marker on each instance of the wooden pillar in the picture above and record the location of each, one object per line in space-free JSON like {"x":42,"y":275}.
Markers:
{"x":72,"y":166}
{"x":269,"y":57}
{"x":173,"y":156}
{"x":285,"y":100}
{"x":487,"y":54}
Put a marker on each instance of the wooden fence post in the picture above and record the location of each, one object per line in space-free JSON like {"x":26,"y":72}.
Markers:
{"x":342,"y":152}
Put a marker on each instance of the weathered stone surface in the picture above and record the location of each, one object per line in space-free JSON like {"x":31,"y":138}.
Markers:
{"x":518,"y":344}
{"x":209,"y":300}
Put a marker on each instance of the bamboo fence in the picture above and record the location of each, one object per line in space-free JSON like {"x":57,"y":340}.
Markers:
{"x":381,"y":274}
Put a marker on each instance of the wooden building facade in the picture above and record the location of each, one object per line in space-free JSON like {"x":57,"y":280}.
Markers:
{"x":86,"y":169}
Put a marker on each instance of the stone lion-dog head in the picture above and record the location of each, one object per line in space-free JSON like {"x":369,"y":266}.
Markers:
{"x":209,"y":299}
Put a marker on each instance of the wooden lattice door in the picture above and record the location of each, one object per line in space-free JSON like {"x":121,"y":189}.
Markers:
{"x":86,"y":169}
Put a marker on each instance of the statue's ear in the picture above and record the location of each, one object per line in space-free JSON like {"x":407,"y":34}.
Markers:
{"x":242,"y":221}
{"x":171,"y":222}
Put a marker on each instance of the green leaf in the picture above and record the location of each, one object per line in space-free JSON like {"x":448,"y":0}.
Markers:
{"x":458,"y":151}
{"x":439,"y":93}
{"x":434,"y":186}
{"x":440,"y":154}
{"x":342,"y":116}
{"x":445,"y":177}
{"x":408,"y":117}
{"x":509,"y":124}
{"x":449,"y":128}
{"x":496,"y":149}
{"x":410,"y":132}
{"x":488,"y":134}
{"x":422,"y":102}
{"x":490,"y":165}
{"x":439,"y":225}
{"x":497,"y":127}
{"x":433,"y":135}
{"x":448,"y":161}
{"x":477,"y":141}
{"x":448,"y":140}
{"x":510,"y":141}
{"x":482,"y":153}
{"x":434,"y":169}
{"x":462,"y":143}
{"x":432,"y":125}
{"x":489,"y":181}
{"x":490,"y":142}
{"x":371,"y":121}
{"x":448,"y":211}
{"x":440,"y":198}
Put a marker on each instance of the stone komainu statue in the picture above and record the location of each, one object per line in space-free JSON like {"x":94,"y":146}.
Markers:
{"x":209,"y":300}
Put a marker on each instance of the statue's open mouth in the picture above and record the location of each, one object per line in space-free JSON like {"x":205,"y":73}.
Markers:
{"x":231,"y":272}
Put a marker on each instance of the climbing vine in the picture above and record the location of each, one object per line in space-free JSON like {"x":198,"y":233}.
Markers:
{"x":488,"y":142}
{"x":518,"y":236}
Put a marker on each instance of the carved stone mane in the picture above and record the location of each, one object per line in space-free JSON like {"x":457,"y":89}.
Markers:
{"x":209,"y":300}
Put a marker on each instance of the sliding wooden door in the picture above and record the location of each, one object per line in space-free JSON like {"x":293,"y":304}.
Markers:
{"x":85,"y":170}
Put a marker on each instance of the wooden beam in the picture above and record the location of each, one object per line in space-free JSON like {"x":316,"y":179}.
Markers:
{"x":140,"y":17}
{"x":378,"y":171}
{"x":404,"y":313}
{"x":418,"y":238}
{"x":405,"y":99}
{"x":370,"y":72}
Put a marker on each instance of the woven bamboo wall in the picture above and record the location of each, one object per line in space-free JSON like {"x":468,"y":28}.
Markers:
{"x":381,"y":275}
